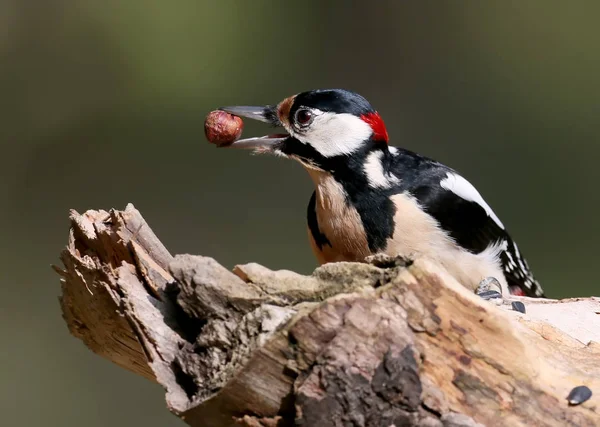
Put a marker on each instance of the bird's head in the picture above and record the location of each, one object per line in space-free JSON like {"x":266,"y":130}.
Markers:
{"x":326,"y":129}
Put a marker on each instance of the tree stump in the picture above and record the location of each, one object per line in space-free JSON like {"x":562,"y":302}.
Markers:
{"x":389,"y":342}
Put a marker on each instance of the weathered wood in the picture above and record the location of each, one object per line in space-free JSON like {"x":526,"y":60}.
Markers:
{"x":390,"y":342}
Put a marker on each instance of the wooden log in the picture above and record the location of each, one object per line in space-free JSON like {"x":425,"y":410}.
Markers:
{"x":388,"y":342}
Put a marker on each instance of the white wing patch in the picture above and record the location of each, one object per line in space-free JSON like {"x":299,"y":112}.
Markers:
{"x":376,"y":176}
{"x":463,"y":188}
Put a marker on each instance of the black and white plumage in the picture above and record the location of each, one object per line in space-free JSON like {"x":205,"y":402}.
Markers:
{"x":460,"y":211}
{"x":372,"y":198}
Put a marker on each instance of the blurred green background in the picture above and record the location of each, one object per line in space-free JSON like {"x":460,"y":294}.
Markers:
{"x":103,"y":103}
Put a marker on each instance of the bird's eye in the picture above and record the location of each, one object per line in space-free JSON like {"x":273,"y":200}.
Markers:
{"x":303,"y":117}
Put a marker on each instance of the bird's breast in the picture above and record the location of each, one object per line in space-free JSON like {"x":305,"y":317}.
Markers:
{"x":337,"y":232}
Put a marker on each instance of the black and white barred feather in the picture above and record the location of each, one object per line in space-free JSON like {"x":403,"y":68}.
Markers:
{"x":517,"y":272}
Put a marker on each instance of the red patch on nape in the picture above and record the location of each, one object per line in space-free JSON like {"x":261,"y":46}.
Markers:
{"x":376,"y":122}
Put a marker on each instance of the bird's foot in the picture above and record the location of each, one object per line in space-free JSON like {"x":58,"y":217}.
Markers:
{"x":490,"y":289}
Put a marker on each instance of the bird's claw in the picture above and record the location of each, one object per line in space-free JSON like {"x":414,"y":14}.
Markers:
{"x":490,"y":289}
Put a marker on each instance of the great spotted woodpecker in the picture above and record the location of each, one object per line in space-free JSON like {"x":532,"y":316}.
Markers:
{"x":373,"y":198}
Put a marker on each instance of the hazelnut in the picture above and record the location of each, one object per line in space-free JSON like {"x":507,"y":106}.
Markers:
{"x":222,"y":128}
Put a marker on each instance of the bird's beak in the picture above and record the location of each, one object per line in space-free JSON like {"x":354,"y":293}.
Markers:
{"x":267,"y":114}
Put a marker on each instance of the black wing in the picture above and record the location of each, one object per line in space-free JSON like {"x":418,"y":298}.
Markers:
{"x":466,"y":221}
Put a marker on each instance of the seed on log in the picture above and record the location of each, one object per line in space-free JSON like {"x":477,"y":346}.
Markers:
{"x":579,"y":395}
{"x":518,"y":306}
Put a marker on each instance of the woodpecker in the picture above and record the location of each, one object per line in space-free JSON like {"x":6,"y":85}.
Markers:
{"x":374,"y":198}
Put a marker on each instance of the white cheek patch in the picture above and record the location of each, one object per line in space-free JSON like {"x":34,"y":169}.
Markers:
{"x":335,"y":134}
{"x":377,"y":177}
{"x":463,"y":188}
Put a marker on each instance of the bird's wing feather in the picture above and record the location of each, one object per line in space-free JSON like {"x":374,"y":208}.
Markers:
{"x":466,"y":217}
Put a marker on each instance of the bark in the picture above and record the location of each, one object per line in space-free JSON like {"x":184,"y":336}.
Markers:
{"x":389,"y":342}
